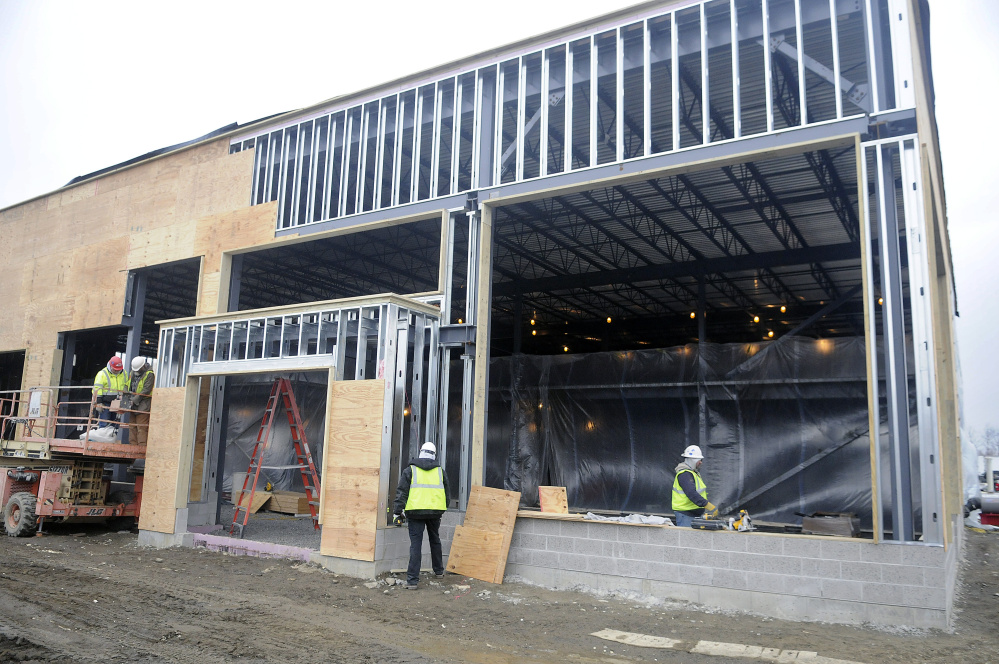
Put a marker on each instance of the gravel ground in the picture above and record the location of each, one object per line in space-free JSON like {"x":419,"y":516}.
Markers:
{"x":275,"y":528}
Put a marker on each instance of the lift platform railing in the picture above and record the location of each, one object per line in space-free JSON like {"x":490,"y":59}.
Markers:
{"x":66,"y":419}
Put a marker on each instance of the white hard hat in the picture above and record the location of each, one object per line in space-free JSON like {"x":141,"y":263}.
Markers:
{"x":138,"y":362}
{"x":429,"y":447}
{"x":693,"y":452}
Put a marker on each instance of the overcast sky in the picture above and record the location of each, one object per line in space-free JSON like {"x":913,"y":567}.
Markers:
{"x":85,"y":85}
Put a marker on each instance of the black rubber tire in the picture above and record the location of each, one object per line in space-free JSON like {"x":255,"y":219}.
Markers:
{"x":19,"y":519}
{"x":120,"y":522}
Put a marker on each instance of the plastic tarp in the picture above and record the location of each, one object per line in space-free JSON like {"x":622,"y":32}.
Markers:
{"x":610,"y":427}
{"x":245,"y":403}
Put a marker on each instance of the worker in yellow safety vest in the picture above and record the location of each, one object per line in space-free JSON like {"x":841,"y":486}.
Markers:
{"x":690,"y":494}
{"x":109,"y":384}
{"x":138,"y":398}
{"x":423,"y":496}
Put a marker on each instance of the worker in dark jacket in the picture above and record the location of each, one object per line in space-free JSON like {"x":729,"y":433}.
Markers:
{"x":423,"y":495}
{"x":690,"y":494}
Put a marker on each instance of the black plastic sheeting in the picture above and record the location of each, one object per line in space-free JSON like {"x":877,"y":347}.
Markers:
{"x":610,"y":427}
{"x":245,"y":402}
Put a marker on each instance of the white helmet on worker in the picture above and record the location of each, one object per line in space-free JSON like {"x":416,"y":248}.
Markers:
{"x":138,"y":362}
{"x":428,"y":451}
{"x":693,"y":452}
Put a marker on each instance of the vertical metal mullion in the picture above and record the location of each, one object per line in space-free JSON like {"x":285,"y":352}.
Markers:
{"x":543,"y":137}
{"x":594,"y":91}
{"x":310,"y":205}
{"x":255,"y":185}
{"x":922,"y":332}
{"x":414,"y":180}
{"x":872,"y":368}
{"x":376,"y":194}
{"x":619,"y":96}
{"x":567,"y":100}
{"x":802,"y":95}
{"x":705,"y":89}
{"x":341,"y":344}
{"x":647,"y":89}
{"x":296,"y":183}
{"x":901,"y":54}
{"x":267,"y":169}
{"x":871,"y":62}
{"x":675,"y":80}
{"x":400,"y":118}
{"x":282,"y":174}
{"x":456,"y":100}
{"x":835,"y":52}
{"x":498,"y":139}
{"x":328,"y":171}
{"x":736,"y":79}
{"x":521,"y":116}
{"x":476,"y":133}
{"x":448,"y":271}
{"x":416,"y":389}
{"x":430,"y":431}
{"x":766,"y":65}
{"x":435,"y":148}
{"x":894,"y":383}
{"x":348,"y":129}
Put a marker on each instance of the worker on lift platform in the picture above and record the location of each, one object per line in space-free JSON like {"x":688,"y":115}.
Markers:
{"x":690,"y":494}
{"x":140,"y":388}
{"x":109,"y":384}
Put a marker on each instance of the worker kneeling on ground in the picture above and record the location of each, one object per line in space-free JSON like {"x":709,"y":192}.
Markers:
{"x":140,"y":388}
{"x":423,"y":495}
{"x":109,"y":383}
{"x":690,"y":494}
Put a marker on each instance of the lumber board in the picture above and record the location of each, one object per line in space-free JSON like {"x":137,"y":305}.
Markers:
{"x":260,"y":498}
{"x":492,"y":511}
{"x":553,"y":499}
{"x":163,"y":447}
{"x":352,"y":464}
{"x":473,"y":553}
{"x":289,"y":502}
{"x":200,"y":436}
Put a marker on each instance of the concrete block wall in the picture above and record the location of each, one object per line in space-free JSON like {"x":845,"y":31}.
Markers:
{"x":784,"y":576}
{"x":392,"y":544}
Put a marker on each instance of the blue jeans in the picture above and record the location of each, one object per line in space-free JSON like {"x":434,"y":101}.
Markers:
{"x":416,"y":527}
{"x":683,"y":520}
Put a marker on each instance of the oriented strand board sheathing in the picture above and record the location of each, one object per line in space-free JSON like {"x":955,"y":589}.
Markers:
{"x":163,"y":449}
{"x":474,"y":554}
{"x":553,"y":499}
{"x":352,"y":461}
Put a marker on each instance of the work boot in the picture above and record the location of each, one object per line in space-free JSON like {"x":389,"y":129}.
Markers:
{"x":411,"y":586}
{"x":438,"y":576}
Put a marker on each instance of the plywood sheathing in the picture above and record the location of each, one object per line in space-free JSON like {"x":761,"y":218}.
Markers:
{"x":163,"y":459}
{"x":200,"y":437}
{"x":481,"y":544}
{"x":352,"y":463}
{"x":66,"y":255}
{"x":553,"y":499}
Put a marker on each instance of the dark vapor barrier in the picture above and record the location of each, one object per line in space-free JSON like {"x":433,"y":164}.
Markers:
{"x":610,"y":427}
{"x":245,"y":401}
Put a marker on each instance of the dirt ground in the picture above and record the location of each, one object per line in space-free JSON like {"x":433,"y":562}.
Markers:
{"x":87,"y":594}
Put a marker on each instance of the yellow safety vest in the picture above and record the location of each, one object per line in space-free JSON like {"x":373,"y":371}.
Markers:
{"x":140,"y":389}
{"x":106,"y":382}
{"x":426,"y":492}
{"x":680,"y":500}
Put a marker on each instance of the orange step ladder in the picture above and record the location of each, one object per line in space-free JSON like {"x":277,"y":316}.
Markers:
{"x":281,"y":393}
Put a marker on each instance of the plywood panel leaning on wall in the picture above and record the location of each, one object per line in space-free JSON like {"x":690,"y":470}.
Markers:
{"x":481,"y":545}
{"x":163,"y":450}
{"x":352,"y":460}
